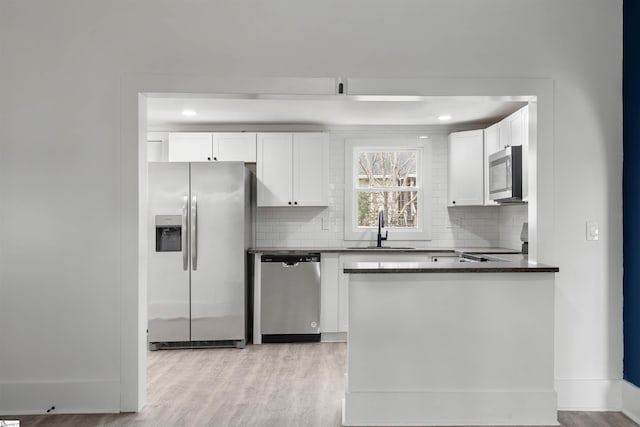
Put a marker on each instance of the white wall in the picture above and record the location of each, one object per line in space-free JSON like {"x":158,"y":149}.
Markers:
{"x":63,"y":62}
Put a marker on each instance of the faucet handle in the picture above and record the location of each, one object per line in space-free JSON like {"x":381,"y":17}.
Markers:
{"x":386,"y":235}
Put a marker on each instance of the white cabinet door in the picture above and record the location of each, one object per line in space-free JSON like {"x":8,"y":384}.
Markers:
{"x":274,"y":169}
{"x":510,"y":130}
{"x":517,"y":128}
{"x":525,"y":153}
{"x":491,"y":145}
{"x":343,"y":295}
{"x":310,"y":169}
{"x":465,"y":171}
{"x":329,"y":284}
{"x":292,"y":169}
{"x":518,"y":135}
{"x":190,"y":147}
{"x":234,"y":147}
{"x":504,"y":134}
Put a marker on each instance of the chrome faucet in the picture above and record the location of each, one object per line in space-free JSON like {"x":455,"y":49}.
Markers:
{"x":380,"y":227}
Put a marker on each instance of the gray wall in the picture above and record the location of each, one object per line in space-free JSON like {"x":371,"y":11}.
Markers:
{"x":60,"y":128}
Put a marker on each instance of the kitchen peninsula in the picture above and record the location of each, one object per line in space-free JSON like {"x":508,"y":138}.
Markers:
{"x":450,"y":344}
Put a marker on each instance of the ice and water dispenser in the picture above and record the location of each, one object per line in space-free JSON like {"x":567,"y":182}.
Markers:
{"x":168,"y":233}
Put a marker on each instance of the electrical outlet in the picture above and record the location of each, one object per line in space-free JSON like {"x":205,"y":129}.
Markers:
{"x":593,"y":233}
{"x":454,"y":223}
{"x":324,"y":223}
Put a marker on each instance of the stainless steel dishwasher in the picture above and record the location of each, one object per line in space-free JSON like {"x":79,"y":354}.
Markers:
{"x":290,"y":298}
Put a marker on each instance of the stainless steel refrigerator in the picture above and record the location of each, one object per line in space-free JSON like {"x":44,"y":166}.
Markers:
{"x":199,"y":231}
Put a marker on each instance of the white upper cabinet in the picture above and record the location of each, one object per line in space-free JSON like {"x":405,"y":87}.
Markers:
{"x":511,"y":131}
{"x":274,"y":169}
{"x":234,"y":147}
{"x":190,"y":147}
{"x":310,"y":169}
{"x":207,"y":146}
{"x":525,"y":154}
{"x":465,"y":168}
{"x":292,"y":169}
{"x":491,"y":145}
{"x":504,"y":134}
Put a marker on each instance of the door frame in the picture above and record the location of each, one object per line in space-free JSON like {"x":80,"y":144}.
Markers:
{"x":135,"y":88}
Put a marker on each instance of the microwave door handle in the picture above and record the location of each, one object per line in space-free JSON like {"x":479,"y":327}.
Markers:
{"x":183,"y":234}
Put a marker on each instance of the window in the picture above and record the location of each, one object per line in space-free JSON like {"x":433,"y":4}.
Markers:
{"x":387,"y":180}
{"x":387,"y":175}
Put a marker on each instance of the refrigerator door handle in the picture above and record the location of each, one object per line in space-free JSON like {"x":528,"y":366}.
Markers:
{"x":194,"y":234}
{"x":183,"y":238}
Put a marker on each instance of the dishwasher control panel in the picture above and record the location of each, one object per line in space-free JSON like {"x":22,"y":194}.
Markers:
{"x":291,"y":258}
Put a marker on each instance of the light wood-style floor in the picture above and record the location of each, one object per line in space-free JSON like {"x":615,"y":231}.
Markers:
{"x":270,"y":385}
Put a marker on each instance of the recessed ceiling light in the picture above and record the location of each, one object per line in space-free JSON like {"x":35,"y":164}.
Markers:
{"x":423,"y":137}
{"x":189,"y":113}
{"x":444,"y":117}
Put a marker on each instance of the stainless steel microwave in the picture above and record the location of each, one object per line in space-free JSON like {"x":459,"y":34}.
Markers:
{"x":505,"y":175}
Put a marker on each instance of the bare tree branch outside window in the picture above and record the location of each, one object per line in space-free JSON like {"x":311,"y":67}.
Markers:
{"x":387,"y":180}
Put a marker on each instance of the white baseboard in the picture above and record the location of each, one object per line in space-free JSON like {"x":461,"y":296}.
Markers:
{"x":333,"y":337}
{"x":589,"y":395}
{"x":631,"y":401}
{"x":450,"y":408}
{"x":68,"y":397}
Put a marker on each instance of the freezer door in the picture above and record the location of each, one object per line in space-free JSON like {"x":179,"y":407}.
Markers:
{"x":218,"y":257}
{"x":168,"y":270}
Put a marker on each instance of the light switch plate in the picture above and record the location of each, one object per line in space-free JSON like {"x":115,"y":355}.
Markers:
{"x":593,"y":232}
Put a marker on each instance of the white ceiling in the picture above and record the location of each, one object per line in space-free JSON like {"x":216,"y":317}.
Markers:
{"x":335,"y":110}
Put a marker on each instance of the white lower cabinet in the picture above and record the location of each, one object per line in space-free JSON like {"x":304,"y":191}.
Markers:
{"x":334,"y":296}
{"x":330,"y":296}
{"x":343,"y":295}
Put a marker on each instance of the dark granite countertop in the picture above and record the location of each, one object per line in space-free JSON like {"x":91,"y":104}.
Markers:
{"x":504,"y":263}
{"x":385,"y":249}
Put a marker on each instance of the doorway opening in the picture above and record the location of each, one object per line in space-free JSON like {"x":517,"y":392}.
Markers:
{"x":532,"y":92}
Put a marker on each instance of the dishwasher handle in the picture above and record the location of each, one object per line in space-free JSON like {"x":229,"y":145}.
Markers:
{"x":289,"y":264}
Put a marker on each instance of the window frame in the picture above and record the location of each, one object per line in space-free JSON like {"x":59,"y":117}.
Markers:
{"x":353,"y":147}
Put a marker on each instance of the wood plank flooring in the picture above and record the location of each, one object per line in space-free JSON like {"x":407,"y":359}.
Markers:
{"x":270,"y":385}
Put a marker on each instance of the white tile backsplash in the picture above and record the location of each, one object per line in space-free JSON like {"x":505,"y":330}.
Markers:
{"x":451,"y":227}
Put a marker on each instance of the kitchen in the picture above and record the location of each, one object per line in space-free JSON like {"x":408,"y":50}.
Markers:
{"x":70,"y":137}
{"x":316,"y":223}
